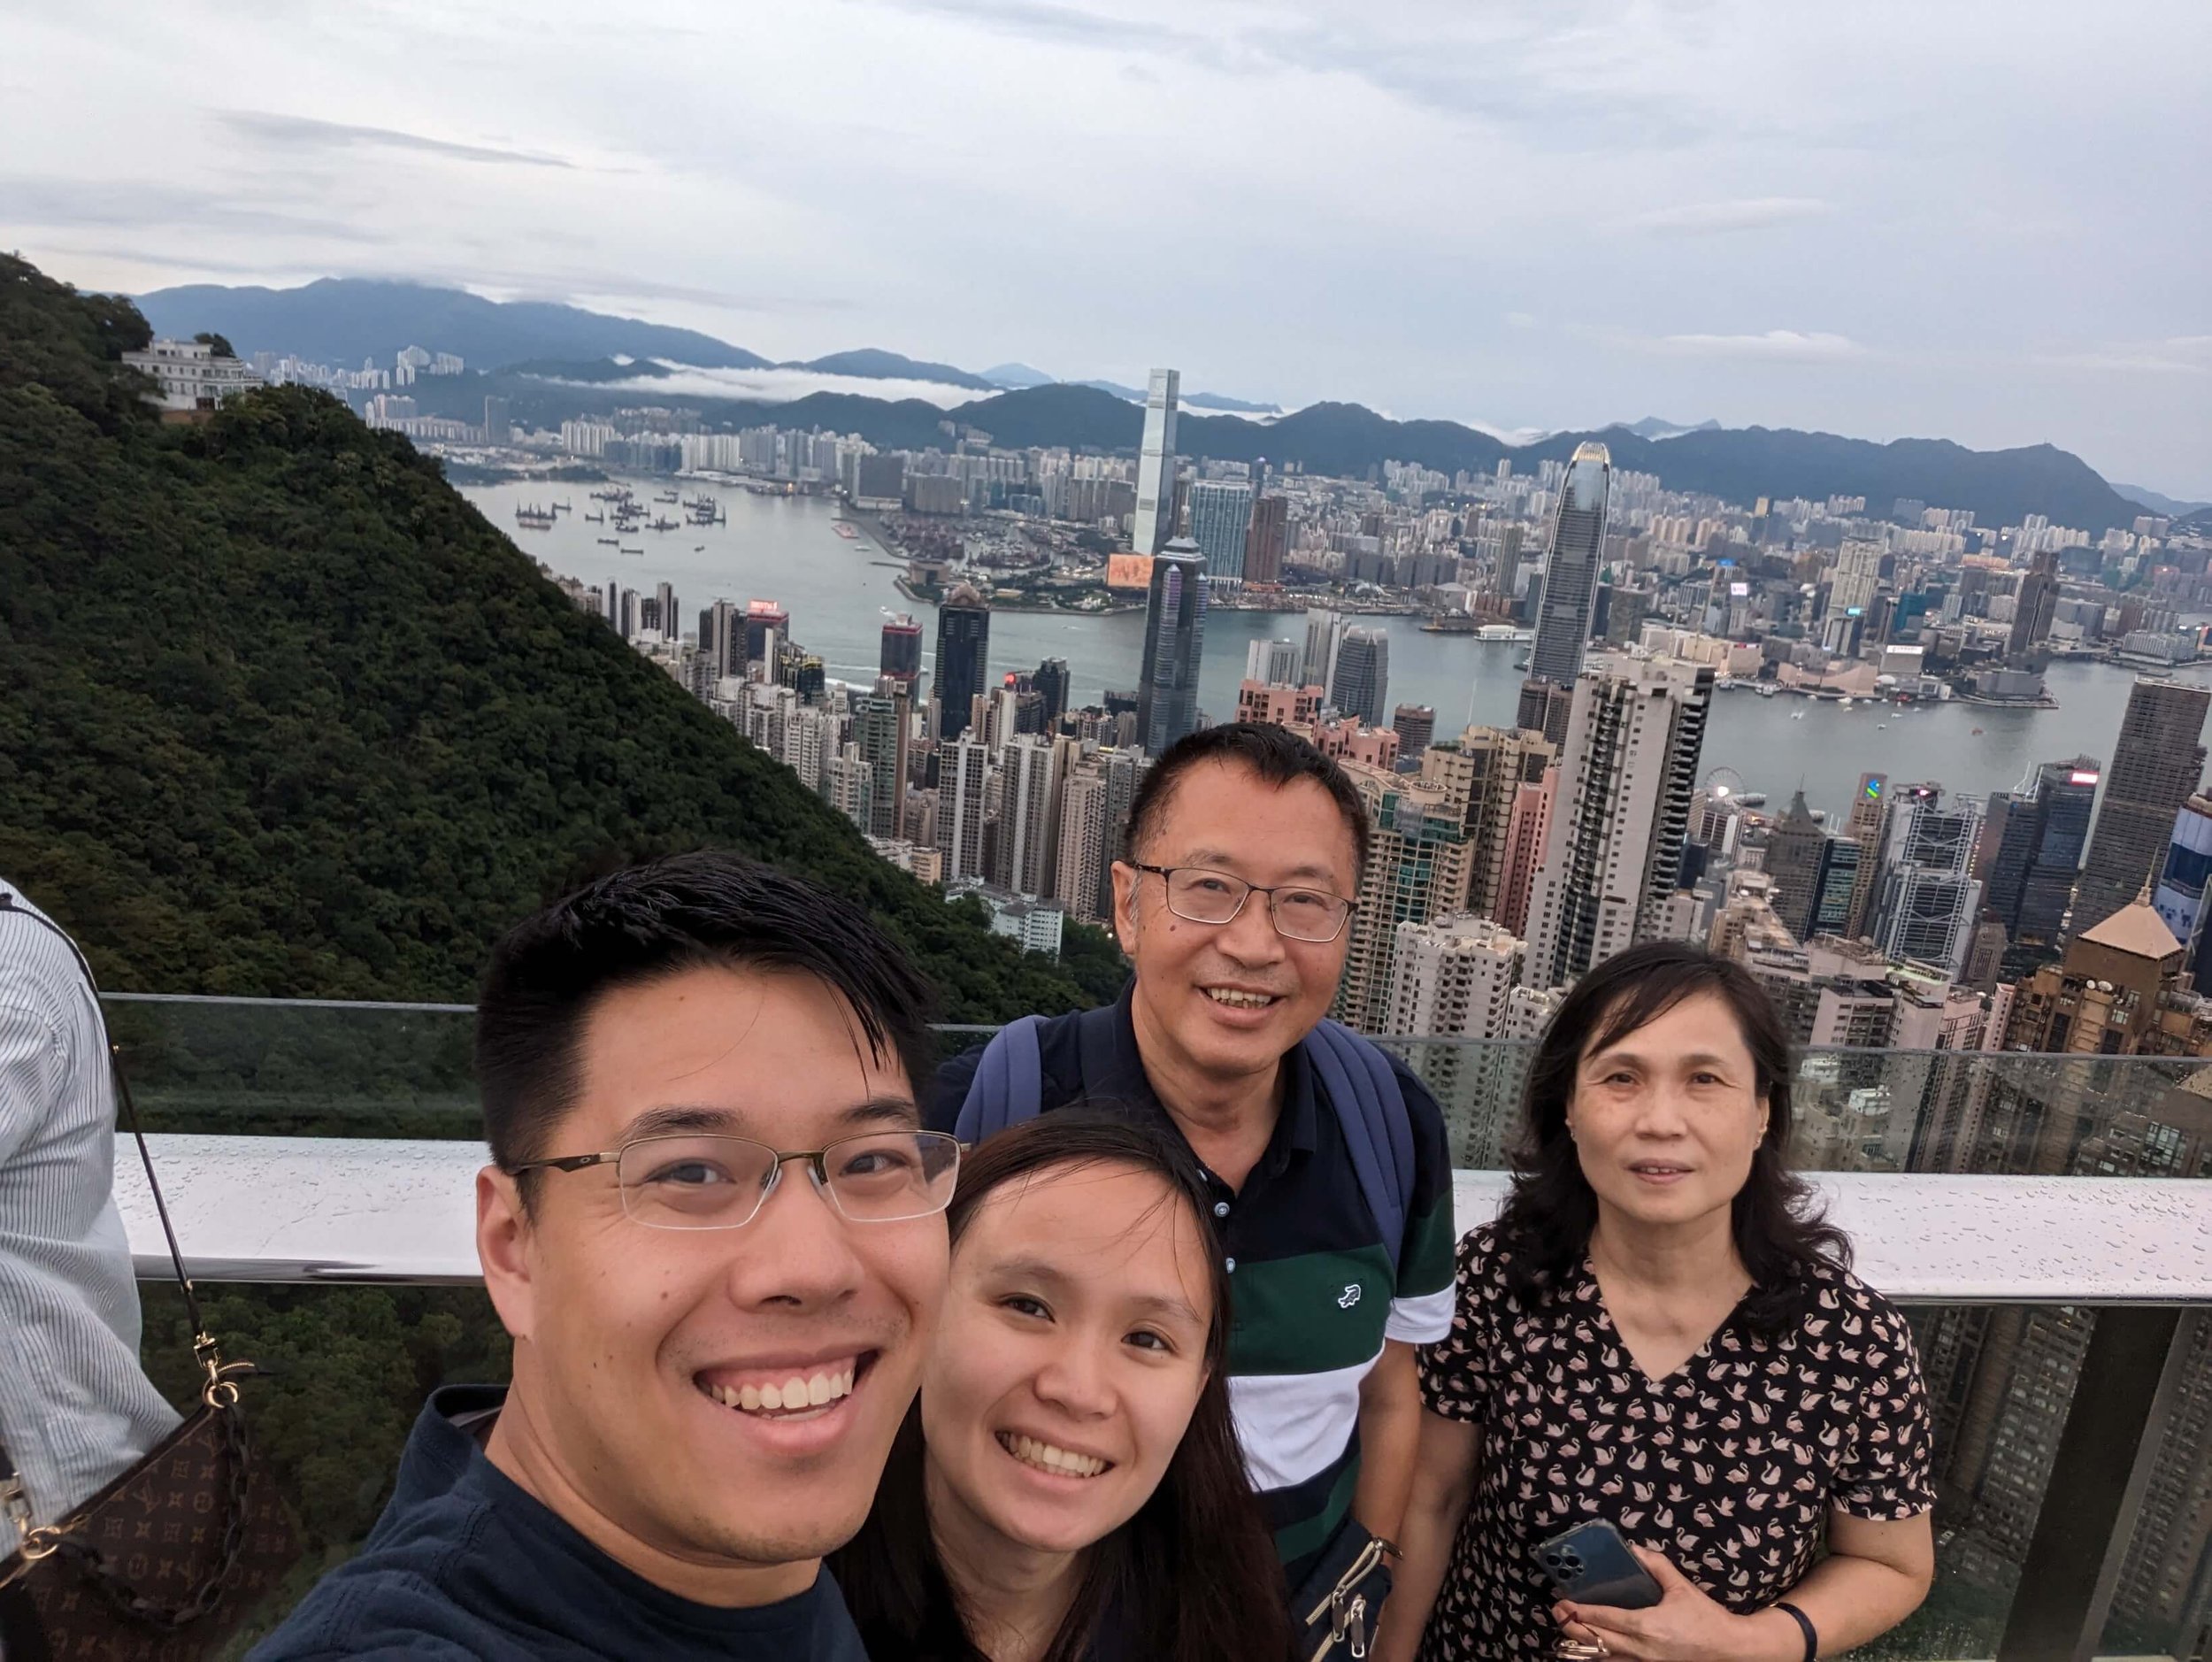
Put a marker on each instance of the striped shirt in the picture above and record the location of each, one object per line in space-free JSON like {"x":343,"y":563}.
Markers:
{"x":1314,"y":1298}
{"x":75,"y":1409}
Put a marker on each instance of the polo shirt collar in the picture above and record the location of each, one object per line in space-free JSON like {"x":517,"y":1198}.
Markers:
{"x":1114,"y":1070}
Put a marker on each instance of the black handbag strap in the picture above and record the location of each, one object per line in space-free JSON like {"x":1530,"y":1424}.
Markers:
{"x":202,"y":1344}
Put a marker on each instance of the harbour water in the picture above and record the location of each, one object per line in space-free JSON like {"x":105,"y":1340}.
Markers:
{"x":838,"y":591}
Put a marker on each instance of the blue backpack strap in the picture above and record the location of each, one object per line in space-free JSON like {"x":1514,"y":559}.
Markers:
{"x":1363,"y":1089}
{"x":1009,"y":1083}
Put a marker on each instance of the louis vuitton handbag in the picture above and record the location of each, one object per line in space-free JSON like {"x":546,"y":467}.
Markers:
{"x":162,"y":1564}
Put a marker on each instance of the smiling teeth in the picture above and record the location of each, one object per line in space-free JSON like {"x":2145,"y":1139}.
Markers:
{"x":1242,"y":1001}
{"x":1051,"y":1457}
{"x":799,"y":1391}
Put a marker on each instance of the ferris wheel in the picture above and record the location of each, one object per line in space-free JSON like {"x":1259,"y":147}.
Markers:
{"x":1723,"y":782}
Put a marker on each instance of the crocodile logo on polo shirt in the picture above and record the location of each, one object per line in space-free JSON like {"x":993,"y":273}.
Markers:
{"x":1348,"y":1296}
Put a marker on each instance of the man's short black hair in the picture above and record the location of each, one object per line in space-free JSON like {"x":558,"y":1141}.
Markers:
{"x":1276,"y":754}
{"x":659,"y":919}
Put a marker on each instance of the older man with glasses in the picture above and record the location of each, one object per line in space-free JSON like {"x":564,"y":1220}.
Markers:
{"x":1331,"y":1181}
{"x":713,"y":1225}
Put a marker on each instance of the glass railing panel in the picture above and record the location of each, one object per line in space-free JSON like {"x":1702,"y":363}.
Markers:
{"x":348,"y":1368}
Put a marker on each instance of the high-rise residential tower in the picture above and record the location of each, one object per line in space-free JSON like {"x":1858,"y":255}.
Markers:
{"x":1570,"y":568}
{"x":1174,"y":638}
{"x":1360,"y":685}
{"x":2033,"y":846}
{"x":1220,"y":521}
{"x":2034,"y":610}
{"x":1620,"y":812}
{"x":1324,"y":629}
{"x":1155,"y":521}
{"x":2156,"y":766}
{"x":963,"y":645}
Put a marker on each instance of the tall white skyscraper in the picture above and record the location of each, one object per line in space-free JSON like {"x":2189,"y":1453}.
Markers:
{"x":1450,"y":977}
{"x":1083,"y":842}
{"x":1155,"y":465}
{"x":1274,"y":663}
{"x":1620,"y":814}
{"x":1324,"y":631}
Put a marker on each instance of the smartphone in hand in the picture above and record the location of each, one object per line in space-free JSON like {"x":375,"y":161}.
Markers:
{"x":1590,"y":1564}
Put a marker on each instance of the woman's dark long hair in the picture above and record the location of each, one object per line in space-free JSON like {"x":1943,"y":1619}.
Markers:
{"x":1193,"y":1577}
{"x":1544,"y":1229}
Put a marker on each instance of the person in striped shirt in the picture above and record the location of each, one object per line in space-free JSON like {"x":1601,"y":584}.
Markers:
{"x":1244,"y":851}
{"x":76,"y":1412}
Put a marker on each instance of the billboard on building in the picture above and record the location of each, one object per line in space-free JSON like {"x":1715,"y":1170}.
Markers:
{"x":1129,"y":570}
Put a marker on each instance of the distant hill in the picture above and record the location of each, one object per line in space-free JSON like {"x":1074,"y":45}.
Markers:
{"x":347,"y":319}
{"x":280,"y":713}
{"x":1012,"y":376}
{"x":1660,"y":427}
{"x":1188,"y":400}
{"x":2157,"y":502}
{"x":874,"y":363}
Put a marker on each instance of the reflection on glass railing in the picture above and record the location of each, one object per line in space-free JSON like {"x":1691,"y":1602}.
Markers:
{"x":351,"y":1365}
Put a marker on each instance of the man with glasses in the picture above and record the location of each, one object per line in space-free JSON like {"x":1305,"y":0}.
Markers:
{"x":1331,"y":1177}
{"x":713,"y":1226}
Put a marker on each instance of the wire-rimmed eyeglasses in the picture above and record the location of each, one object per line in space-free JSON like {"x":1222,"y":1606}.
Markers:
{"x":1299,"y":911}
{"x":705,"y":1182}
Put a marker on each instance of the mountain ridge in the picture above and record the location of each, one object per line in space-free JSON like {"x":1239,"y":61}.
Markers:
{"x":1739,"y":464}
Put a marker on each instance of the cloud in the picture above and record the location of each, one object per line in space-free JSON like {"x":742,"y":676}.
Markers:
{"x":1776,"y":345}
{"x":1745,"y":214}
{"x":781,"y":386}
{"x":292,"y":132}
{"x":2176,"y":355}
{"x":137,"y":205}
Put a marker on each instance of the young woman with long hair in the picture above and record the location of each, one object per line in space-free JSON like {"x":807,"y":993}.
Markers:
{"x":1068,"y":1488}
{"x":1660,"y":1332}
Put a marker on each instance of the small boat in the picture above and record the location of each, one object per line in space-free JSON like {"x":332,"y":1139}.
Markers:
{"x":610,"y":541}
{"x":1879,"y":726}
{"x":595,"y":518}
{"x":534,"y":518}
{"x":1975,"y":733}
{"x":639,"y":551}
{"x":699,"y":547}
{"x":1797,"y":715}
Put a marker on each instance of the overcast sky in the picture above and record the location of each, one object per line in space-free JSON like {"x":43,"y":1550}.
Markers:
{"x":1985,"y":222}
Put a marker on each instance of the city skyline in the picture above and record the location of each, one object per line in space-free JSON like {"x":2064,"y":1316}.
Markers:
{"x":1737,"y":150}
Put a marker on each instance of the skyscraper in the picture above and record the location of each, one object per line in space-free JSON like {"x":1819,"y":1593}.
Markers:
{"x":1050,"y":680}
{"x":1174,"y":637}
{"x":2032,"y":610}
{"x":1570,"y":568}
{"x":963,"y":645}
{"x":1155,"y":521}
{"x":1267,"y":543}
{"x":880,"y":728}
{"x":1485,"y":769}
{"x":1620,"y":812}
{"x":2156,"y":766}
{"x":1417,"y":868}
{"x":767,"y":625}
{"x":1361,"y":684}
{"x":1416,"y":726}
{"x":2181,"y":895}
{"x":1324,"y":629}
{"x":902,"y":654}
{"x":1796,"y":849}
{"x":1220,"y":520}
{"x":1869,"y":813}
{"x":1274,"y":663}
{"x":1033,"y":769}
{"x":961,"y":804}
{"x":2036,"y":858}
{"x":1927,"y":898}
{"x":1082,"y":857}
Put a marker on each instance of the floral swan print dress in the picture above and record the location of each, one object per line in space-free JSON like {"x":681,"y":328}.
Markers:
{"x":1729,"y":1466}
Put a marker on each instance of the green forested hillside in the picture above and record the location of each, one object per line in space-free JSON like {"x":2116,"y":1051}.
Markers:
{"x":281,"y":714}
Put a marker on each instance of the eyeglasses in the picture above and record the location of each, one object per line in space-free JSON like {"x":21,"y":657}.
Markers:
{"x":1199,"y":895}
{"x":716,"y":1183}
